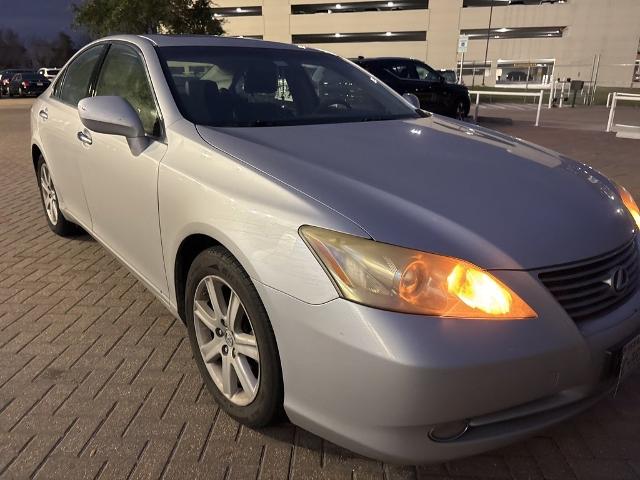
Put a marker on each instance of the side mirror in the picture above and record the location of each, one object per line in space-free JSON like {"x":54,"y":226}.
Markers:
{"x":113,"y":115}
{"x":412,"y":100}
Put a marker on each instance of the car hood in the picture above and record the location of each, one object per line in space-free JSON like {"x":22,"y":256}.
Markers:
{"x":443,"y":186}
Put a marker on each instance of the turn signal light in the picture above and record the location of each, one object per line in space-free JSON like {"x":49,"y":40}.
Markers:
{"x":630,"y":203}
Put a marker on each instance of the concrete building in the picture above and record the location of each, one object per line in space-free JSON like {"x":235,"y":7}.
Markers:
{"x":523,"y":41}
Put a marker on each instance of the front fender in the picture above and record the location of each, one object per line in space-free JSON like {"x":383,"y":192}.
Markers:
{"x":204,"y":191}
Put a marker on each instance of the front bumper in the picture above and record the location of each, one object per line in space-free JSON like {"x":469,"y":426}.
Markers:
{"x":378,"y":382}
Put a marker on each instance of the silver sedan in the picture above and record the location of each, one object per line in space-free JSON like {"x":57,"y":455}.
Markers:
{"x":411,"y":287}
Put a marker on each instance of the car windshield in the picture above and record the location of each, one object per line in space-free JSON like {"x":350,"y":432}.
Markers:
{"x":256,"y":87}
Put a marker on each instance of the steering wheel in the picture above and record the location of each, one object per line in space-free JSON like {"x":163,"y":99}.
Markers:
{"x":330,"y":104}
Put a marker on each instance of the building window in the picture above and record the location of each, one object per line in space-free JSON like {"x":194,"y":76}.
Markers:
{"x":360,"y":37}
{"x":536,"y":72}
{"x":520,"y":32}
{"x":349,"y":7}
{"x":506,"y":3}
{"x":223,"y":12}
{"x":473,"y":71}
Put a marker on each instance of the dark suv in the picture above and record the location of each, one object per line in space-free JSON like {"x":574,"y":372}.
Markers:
{"x":406,"y":75}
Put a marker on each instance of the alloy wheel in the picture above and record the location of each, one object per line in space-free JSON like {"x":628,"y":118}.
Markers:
{"x":49,"y":196}
{"x":226,"y":340}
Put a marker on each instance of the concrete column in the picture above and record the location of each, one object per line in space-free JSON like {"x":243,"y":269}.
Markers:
{"x":276,"y":16}
{"x":442,"y":33}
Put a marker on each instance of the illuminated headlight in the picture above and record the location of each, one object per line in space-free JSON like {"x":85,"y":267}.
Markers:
{"x":404,"y":280}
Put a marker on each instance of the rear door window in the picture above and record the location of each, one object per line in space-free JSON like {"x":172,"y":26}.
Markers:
{"x":402,"y":69}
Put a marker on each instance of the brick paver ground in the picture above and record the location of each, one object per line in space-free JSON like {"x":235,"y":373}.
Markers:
{"x":97,"y":380}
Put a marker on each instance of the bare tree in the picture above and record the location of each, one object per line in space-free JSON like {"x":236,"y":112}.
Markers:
{"x":12,"y":50}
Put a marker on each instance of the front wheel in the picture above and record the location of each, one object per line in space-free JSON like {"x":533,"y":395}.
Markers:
{"x":461,"y":109}
{"x":55,"y":219}
{"x":232,"y":339}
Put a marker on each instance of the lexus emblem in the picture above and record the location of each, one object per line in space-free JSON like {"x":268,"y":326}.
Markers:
{"x":619,"y":279}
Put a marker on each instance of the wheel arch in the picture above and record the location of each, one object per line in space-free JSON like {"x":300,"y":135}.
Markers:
{"x":188,"y":250}
{"x":36,"y":153}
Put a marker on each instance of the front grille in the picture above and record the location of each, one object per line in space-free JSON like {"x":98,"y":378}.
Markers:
{"x":585,"y":289}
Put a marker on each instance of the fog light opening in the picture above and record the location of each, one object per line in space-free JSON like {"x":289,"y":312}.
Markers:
{"x":449,"y":432}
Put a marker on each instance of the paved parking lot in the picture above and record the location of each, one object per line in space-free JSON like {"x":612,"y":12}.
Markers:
{"x":97,"y":380}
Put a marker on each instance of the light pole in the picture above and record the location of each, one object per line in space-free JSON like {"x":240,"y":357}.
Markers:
{"x":486,"y":50}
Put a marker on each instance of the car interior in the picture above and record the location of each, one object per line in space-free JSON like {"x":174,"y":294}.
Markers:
{"x":249,"y":91}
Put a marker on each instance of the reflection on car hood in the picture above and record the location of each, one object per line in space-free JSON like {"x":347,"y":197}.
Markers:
{"x":443,"y":186}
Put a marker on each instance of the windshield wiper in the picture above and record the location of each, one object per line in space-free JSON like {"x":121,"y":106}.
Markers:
{"x":268,"y":123}
{"x":376,"y":118}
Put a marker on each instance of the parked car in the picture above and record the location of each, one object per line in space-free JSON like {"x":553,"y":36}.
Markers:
{"x":450,"y":76}
{"x":49,"y":73}
{"x":5,"y":78}
{"x":406,"y":286}
{"x":406,"y":75}
{"x":24,"y":84}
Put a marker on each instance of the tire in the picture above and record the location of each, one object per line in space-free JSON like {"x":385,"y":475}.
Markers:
{"x":215,"y":269}
{"x":55,"y":219}
{"x":461,"y":109}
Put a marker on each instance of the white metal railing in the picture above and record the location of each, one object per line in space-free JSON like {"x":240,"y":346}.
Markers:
{"x":553,"y":91}
{"x":622,"y":93}
{"x":619,"y":97}
{"x":477,"y":93}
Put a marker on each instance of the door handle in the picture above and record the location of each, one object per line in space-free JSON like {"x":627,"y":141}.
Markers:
{"x":43,"y":114}
{"x":85,"y":137}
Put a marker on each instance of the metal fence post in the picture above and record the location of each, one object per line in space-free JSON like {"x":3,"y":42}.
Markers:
{"x":475,"y":114}
{"x":562,"y":95}
{"x":612,"y":111}
{"x":539,"y":108}
{"x":552,"y":92}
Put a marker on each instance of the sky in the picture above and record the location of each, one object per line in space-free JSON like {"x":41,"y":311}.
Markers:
{"x":37,"y":18}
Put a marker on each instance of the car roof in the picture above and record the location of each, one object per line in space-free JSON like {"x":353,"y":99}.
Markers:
{"x":199,"y":41}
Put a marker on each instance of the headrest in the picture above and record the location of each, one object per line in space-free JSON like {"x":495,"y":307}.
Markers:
{"x":200,"y":88}
{"x":261,"y":78}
